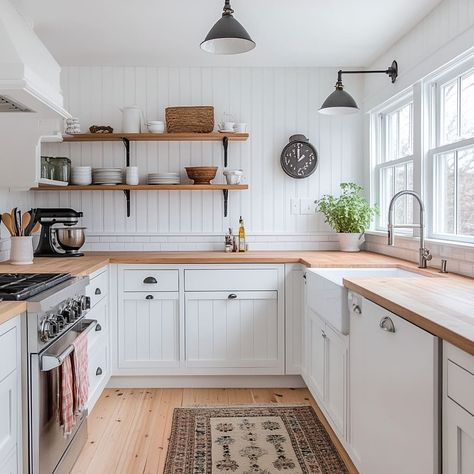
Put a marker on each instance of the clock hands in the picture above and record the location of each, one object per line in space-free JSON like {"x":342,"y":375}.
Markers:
{"x":302,"y":157}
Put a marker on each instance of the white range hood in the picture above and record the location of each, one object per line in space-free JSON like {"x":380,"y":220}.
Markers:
{"x":31,"y":102}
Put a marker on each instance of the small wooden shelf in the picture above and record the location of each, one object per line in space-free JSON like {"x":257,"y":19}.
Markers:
{"x":155,"y":137}
{"x":145,"y":187}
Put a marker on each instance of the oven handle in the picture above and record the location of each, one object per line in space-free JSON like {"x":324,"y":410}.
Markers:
{"x":51,"y":361}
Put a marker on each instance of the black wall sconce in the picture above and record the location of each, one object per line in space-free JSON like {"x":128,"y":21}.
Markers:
{"x":342,"y":103}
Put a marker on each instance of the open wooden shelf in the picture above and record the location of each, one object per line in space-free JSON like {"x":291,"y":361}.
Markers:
{"x":155,"y":137}
{"x":145,"y":187}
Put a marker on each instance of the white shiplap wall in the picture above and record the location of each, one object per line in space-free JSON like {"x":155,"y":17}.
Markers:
{"x":275,"y":102}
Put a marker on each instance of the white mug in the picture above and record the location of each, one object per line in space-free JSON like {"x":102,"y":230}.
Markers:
{"x":240,"y":127}
{"x":131,"y":175}
{"x":226,"y":126}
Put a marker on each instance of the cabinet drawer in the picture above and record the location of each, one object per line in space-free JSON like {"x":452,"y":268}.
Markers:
{"x":99,"y":313}
{"x":10,"y":465}
{"x":150,"y":280}
{"x":98,"y":288}
{"x":231,"y":280}
{"x":8,"y":351}
{"x":461,"y":386}
{"x":9,"y":413}
{"x":98,"y":367}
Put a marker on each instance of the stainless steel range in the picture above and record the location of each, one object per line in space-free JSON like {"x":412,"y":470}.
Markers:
{"x":56,"y":310}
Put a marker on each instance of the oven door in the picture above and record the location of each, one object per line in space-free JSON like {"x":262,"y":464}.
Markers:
{"x":50,"y":451}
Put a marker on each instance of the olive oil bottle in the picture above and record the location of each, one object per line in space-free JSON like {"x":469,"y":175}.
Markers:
{"x":242,"y":246}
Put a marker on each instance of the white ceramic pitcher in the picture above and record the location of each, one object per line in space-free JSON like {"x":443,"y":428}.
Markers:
{"x":132,"y":118}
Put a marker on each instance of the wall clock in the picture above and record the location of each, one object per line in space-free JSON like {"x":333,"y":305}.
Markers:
{"x":299,"y":159}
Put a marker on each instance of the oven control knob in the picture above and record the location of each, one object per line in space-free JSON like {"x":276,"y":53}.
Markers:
{"x":60,"y":321}
{"x":53,"y":326}
{"x":85,"y":302}
{"x":68,"y":315}
{"x":45,"y":330}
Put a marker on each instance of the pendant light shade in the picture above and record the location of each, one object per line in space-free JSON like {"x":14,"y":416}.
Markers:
{"x":227,"y":36}
{"x":339,"y":103}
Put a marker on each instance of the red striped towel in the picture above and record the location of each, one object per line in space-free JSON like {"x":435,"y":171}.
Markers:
{"x":81,"y":377}
{"x":66,"y":397}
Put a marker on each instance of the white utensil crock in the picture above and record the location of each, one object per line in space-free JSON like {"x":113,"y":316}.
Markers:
{"x":21,"y":250}
{"x":131,"y":119}
{"x":350,"y":242}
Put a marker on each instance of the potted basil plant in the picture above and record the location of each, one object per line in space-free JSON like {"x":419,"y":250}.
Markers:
{"x":349,"y":215}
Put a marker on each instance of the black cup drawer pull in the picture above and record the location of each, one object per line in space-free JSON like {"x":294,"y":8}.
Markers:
{"x":98,"y":371}
{"x":232,"y":296}
{"x":97,"y":291}
{"x":98,"y":327}
{"x":150,"y":281}
{"x":149,"y":297}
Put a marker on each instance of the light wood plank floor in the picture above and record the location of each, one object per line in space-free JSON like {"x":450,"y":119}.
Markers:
{"x":129,"y":428}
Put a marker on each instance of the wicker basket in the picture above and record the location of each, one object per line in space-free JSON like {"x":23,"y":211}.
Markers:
{"x":190,"y":119}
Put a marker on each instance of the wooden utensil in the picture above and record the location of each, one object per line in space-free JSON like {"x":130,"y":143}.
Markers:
{"x":36,"y":228}
{"x":7,"y":221}
{"x":25,"y":220}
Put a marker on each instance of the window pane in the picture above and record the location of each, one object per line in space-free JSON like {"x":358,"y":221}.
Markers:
{"x":444,"y":193}
{"x":392,"y":137}
{"x":386,"y":193}
{"x":449,"y":112}
{"x":465,"y":211}
{"x":467,"y":105}
{"x":400,"y":185}
{"x":405,"y":144}
{"x":409,"y":216}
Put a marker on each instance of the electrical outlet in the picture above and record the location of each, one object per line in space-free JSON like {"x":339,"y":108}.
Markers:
{"x":295,"y":206}
{"x":307,"y":206}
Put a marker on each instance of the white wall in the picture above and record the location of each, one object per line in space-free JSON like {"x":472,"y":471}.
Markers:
{"x":275,"y":103}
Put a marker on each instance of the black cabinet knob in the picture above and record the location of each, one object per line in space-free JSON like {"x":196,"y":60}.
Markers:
{"x":97,"y":291}
{"x":149,"y":297}
{"x":232,"y":296}
{"x":98,"y":371}
{"x":150,"y":281}
{"x":98,"y":327}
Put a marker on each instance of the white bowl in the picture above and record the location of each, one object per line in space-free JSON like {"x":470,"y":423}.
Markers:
{"x":156,"y":126}
{"x":233,"y":176}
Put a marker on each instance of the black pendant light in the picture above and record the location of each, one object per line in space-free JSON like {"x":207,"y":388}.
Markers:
{"x":342,"y":103}
{"x":227,"y":36}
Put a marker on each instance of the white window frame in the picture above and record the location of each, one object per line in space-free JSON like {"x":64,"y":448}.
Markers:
{"x":378,"y":138}
{"x":432,"y":112}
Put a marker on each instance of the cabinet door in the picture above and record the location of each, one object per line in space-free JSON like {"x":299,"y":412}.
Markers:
{"x":148,"y":330}
{"x":8,"y":414}
{"x":241,"y":329}
{"x":315,"y":348}
{"x":336,"y":380}
{"x":393,"y":393}
{"x":459,"y":440}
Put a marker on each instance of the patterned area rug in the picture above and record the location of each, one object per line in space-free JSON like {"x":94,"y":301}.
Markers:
{"x":250,"y":440}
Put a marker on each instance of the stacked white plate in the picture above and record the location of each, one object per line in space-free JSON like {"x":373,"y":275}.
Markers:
{"x":163,"y":178}
{"x":81,"y":175}
{"x":107,"y":176}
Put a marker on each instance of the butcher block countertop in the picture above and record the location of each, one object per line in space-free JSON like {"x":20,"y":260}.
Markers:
{"x":442,"y":305}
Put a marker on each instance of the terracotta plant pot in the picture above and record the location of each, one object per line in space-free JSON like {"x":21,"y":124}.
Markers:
{"x":201,"y":174}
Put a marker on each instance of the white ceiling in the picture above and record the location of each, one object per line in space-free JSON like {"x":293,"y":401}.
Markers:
{"x":168,"y":32}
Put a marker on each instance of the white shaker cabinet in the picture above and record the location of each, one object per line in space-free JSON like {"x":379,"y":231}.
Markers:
{"x":148,"y":330}
{"x":231,"y":330}
{"x":458,"y":411}
{"x":10,"y":397}
{"x":394,"y":393}
{"x":326,"y":370}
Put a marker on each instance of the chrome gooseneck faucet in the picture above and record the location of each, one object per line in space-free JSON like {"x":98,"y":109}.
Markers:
{"x":424,"y":253}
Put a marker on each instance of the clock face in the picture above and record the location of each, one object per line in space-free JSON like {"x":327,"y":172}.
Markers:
{"x":299,"y":159}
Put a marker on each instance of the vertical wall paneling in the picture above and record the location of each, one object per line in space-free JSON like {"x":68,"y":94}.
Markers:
{"x":275,"y":103}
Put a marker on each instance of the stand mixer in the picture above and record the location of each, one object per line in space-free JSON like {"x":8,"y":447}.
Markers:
{"x":59,"y":241}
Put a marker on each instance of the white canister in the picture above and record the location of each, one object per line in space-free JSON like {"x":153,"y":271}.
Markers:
{"x":21,"y":250}
{"x":131,"y":119}
{"x":131,"y":175}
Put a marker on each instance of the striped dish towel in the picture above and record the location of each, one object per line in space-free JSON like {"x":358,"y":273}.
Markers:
{"x":66,"y":417}
{"x":81,"y":377}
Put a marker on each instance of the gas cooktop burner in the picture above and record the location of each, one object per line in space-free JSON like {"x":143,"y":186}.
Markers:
{"x":21,"y":286}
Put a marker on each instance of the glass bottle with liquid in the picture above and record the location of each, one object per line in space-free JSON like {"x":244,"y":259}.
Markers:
{"x":242,"y":246}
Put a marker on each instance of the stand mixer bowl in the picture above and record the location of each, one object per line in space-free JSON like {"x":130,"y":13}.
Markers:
{"x":71,"y":239}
